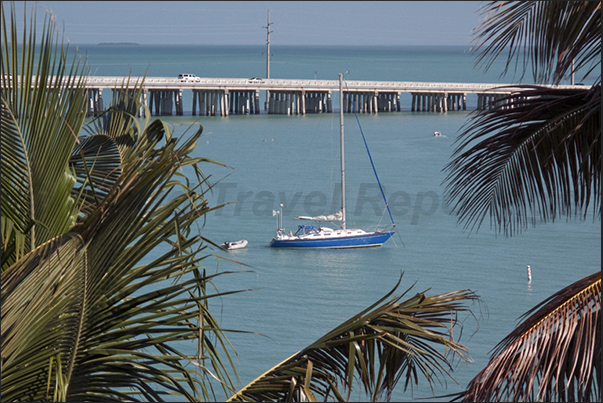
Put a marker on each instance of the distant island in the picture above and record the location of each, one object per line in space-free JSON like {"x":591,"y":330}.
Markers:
{"x":118,"y":44}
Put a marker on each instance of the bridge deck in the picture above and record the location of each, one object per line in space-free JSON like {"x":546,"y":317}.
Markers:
{"x":224,"y":96}
{"x":307,"y":85}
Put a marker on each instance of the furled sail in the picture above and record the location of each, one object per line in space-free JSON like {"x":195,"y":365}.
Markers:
{"x":331,"y":217}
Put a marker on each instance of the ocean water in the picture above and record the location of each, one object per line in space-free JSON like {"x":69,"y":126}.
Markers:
{"x":299,"y":295}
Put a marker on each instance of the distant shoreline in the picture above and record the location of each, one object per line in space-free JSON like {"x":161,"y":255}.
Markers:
{"x":118,"y":44}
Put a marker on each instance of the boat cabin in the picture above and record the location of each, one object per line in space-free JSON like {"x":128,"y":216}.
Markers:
{"x":306,"y":230}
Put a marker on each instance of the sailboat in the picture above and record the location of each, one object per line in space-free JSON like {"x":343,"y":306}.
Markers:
{"x":310,"y":236}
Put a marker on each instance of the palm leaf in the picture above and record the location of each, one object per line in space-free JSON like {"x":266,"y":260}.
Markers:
{"x":387,"y":341}
{"x":123,"y":309}
{"x":43,"y":116}
{"x":119,"y":121}
{"x":95,"y":306}
{"x":535,"y":155}
{"x":16,"y":222}
{"x":40,"y":300}
{"x":96,"y":164}
{"x":553,"y":355}
{"x":553,"y":37}
{"x":97,"y":158}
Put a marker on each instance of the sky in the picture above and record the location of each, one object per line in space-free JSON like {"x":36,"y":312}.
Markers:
{"x":365,"y":23}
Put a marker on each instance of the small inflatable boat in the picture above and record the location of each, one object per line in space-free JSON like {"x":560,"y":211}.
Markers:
{"x":234,"y":245}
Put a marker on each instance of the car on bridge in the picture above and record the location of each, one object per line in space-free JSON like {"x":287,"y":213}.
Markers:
{"x":255,"y":80}
{"x":189,"y":78}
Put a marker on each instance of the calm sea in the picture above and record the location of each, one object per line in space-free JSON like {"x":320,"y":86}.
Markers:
{"x":299,"y":295}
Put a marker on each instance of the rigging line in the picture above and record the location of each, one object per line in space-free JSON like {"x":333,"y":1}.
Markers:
{"x":369,"y":154}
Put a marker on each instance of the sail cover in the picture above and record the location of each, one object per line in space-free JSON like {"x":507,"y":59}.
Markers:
{"x":332,"y":217}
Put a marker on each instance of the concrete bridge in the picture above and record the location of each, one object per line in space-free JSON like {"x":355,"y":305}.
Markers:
{"x":224,"y":96}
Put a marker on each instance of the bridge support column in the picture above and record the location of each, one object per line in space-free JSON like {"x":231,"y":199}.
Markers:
{"x":225,"y":105}
{"x":167,"y":102}
{"x":214,"y":103}
{"x":210,"y":102}
{"x":118,"y":93}
{"x":256,"y":101}
{"x":316,"y":101}
{"x":375,"y":102}
{"x":161,"y":100}
{"x":99,"y":101}
{"x":451,"y":100}
{"x":482,"y":101}
{"x":206,"y":102}
{"x":95,"y":102}
{"x":387,"y":102}
{"x":486,"y":101}
{"x":271,"y":102}
{"x":178,"y":102}
{"x":195,"y":96}
{"x":348,"y":103}
{"x":145,"y":103}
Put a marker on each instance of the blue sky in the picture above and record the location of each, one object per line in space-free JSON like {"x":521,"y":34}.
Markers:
{"x":372,"y":23}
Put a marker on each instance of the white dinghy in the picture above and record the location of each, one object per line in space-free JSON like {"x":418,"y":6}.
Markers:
{"x":234,"y":245}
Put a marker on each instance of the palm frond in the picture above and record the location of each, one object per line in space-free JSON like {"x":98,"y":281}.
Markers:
{"x":16,"y":222}
{"x":42,"y":101}
{"x":553,"y":355}
{"x":535,"y":155}
{"x":389,"y":340}
{"x":41,"y":298}
{"x":125,"y":309}
{"x":94,"y":308}
{"x":550,"y":37}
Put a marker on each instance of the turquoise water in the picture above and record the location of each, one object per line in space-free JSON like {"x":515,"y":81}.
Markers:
{"x":299,"y":295}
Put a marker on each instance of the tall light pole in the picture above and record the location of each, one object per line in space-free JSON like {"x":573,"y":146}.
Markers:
{"x":266,"y":105}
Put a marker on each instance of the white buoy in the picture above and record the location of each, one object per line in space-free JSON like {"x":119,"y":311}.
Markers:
{"x":529,"y":274}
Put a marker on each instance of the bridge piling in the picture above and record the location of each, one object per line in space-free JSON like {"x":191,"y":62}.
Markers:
{"x":95,"y":101}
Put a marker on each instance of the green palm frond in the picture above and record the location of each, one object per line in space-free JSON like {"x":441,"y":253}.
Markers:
{"x":535,"y":155}
{"x":96,"y":164}
{"x":390,"y":340}
{"x":97,"y":158}
{"x":553,"y":355}
{"x":112,"y":281}
{"x":550,"y":36}
{"x":42,"y":104}
{"x":126,"y":315}
{"x":119,"y":121}
{"x":16,"y":222}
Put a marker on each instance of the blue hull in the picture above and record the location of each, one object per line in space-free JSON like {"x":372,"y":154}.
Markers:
{"x":360,"y":241}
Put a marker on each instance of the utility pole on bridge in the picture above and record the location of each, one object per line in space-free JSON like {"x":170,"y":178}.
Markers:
{"x":266,"y":105}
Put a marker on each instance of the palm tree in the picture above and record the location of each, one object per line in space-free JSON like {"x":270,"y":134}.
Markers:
{"x":535,"y":156}
{"x":101,"y":264}
{"x":87,"y":312}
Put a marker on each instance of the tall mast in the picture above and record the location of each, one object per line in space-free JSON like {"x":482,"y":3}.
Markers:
{"x":342,"y":156}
